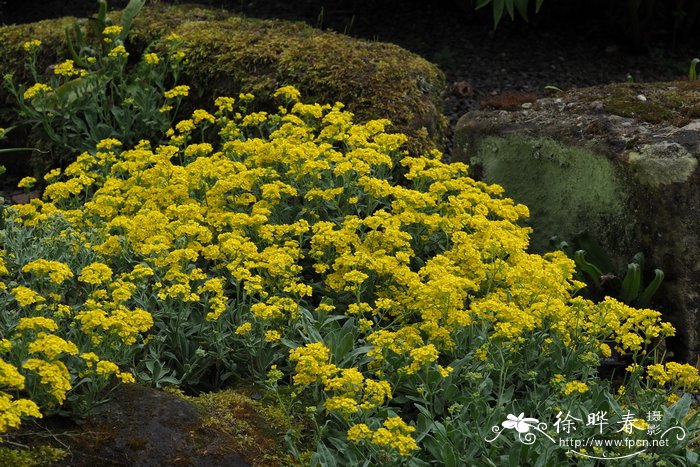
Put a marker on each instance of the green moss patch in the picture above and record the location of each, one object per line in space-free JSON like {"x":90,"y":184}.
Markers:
{"x":568,"y":190}
{"x":256,"y":427}
{"x":671,"y":103}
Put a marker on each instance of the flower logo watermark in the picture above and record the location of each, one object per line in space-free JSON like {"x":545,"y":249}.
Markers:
{"x":634,"y":432}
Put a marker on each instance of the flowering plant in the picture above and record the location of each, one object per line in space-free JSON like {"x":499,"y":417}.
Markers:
{"x":393,"y":293}
{"x":97,"y":93}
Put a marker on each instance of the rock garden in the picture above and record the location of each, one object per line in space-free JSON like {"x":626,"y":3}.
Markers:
{"x":232,"y":236}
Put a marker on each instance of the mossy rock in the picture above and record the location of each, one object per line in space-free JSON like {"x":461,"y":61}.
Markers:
{"x":228,"y":54}
{"x":618,"y":163}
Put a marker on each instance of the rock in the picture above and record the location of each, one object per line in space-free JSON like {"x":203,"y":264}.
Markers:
{"x":141,"y":426}
{"x":602,"y":161}
{"x":228,"y":54}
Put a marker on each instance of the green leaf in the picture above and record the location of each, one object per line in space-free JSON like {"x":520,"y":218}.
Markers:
{"x":323,"y":456}
{"x":646,"y":296}
{"x":448,"y":458}
{"x":631,"y":283}
{"x":678,"y":410}
{"x":129,"y":13}
{"x":510,"y":9}
{"x":433,"y":447}
{"x":8,"y":150}
{"x":588,"y":268}
{"x":521,"y":6}
{"x":497,"y":12}
{"x":482,"y":3}
{"x":692,"y":75}
{"x":538,"y":5}
{"x":595,"y":253}
{"x":639,"y":259}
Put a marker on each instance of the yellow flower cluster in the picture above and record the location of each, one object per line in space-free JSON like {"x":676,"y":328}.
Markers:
{"x":26,"y":182}
{"x":35,"y":90}
{"x":68,"y":69}
{"x":177,"y":91}
{"x":679,"y":375}
{"x":113,"y":30}
{"x":12,"y":410}
{"x":151,"y":58}
{"x":352,"y":390}
{"x":30,"y":46}
{"x":95,"y":273}
{"x":56,"y":272}
{"x":575,"y":386}
{"x":118,"y":52}
{"x":53,"y":374}
{"x":301,"y":204}
{"x":394,"y":434}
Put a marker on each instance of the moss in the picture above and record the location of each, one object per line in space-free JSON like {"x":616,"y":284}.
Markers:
{"x":229,"y":54}
{"x":257,"y":428}
{"x":35,"y":456}
{"x":671,"y":103}
{"x":568,"y":190}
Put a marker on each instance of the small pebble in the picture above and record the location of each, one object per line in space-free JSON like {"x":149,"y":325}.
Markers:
{"x":641,"y":97}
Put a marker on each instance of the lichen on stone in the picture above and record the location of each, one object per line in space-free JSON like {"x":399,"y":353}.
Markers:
{"x":569,"y":190}
{"x":662,"y":164}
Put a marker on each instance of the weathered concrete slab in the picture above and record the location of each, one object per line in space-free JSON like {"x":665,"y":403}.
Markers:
{"x":619,"y":162}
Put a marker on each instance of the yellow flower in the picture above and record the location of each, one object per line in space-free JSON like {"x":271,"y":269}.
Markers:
{"x":114,"y":30}
{"x":26,"y":182}
{"x":52,"y":346}
{"x":108,"y":143}
{"x":52,"y":374}
{"x":345,"y":406}
{"x":575,"y":386}
{"x":177,"y":91}
{"x":288,"y":92}
{"x":200,"y":115}
{"x":52,"y":175}
{"x":57,"y":272}
{"x":35,"y":90}
{"x":118,"y":52}
{"x":26,"y":296}
{"x":10,"y":376}
{"x":12,"y":411}
{"x":224,"y":104}
{"x":95,"y":274}
{"x":30,"y":46}
{"x":36,"y":322}
{"x":445,"y":371}
{"x":244,"y":328}
{"x":273,"y":336}
{"x":396,"y":434}
{"x":68,"y":69}
{"x":359,"y":432}
{"x":422,"y":356}
{"x":151,"y":58}
{"x":311,"y":363}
